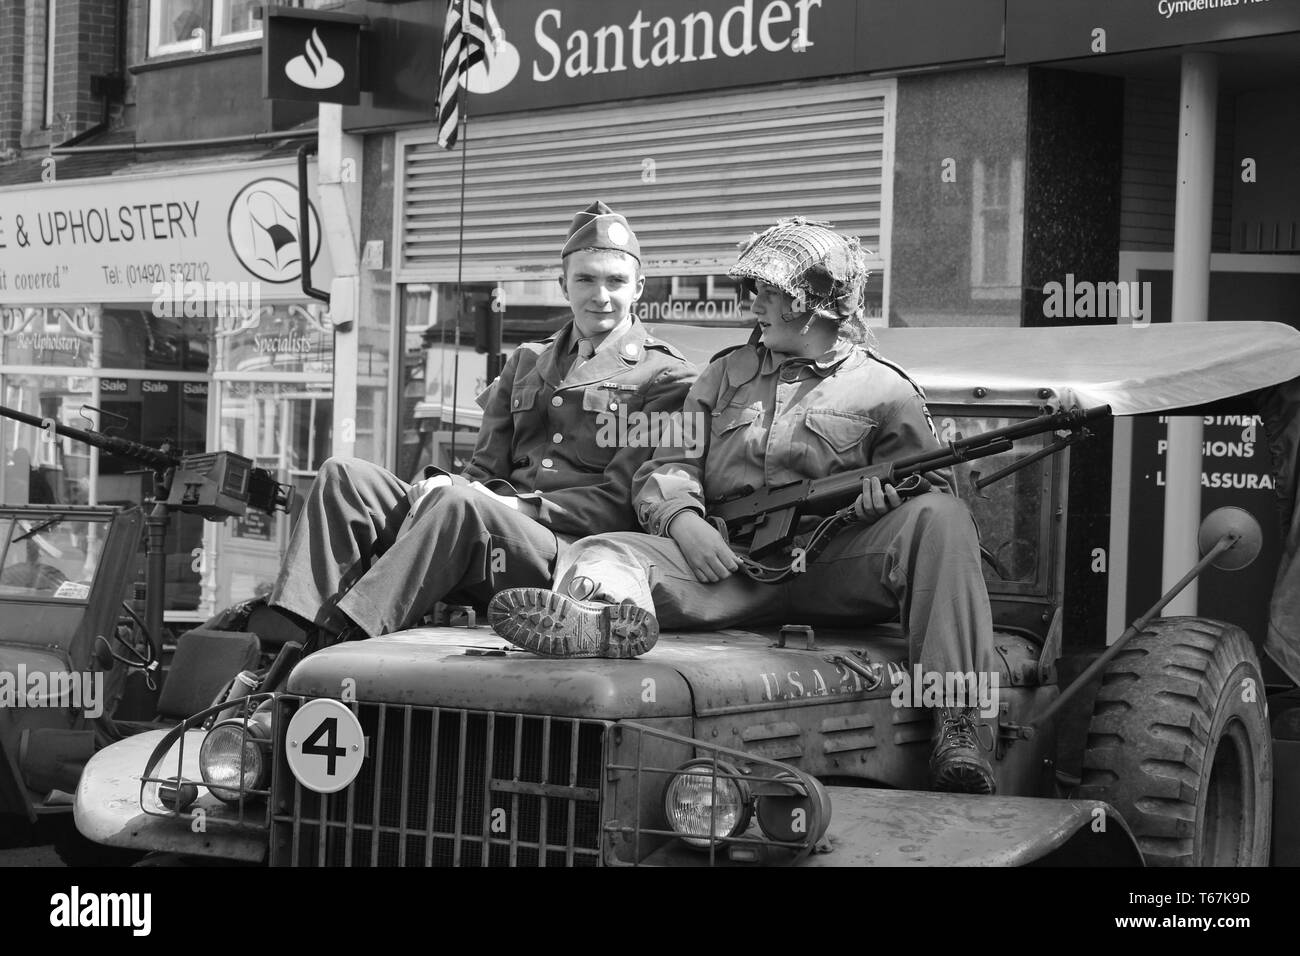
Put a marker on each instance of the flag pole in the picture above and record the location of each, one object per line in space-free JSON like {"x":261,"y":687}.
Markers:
{"x":460,"y":257}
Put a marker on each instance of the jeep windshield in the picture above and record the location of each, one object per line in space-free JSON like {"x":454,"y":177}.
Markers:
{"x":50,"y":557}
{"x":1011,"y":512}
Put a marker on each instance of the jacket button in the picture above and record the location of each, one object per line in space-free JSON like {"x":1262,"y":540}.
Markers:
{"x":516,"y":403}
{"x":557,"y":437}
{"x":547,"y":463}
{"x":613,"y":406}
{"x":557,"y":401}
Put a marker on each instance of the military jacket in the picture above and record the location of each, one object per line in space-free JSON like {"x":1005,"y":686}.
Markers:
{"x":560,"y":434}
{"x":769,"y":419}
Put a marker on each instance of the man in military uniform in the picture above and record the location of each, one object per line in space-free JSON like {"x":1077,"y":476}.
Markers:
{"x":804,"y":399}
{"x":371,"y":554}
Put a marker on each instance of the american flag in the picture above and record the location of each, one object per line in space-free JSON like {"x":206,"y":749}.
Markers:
{"x":464,"y":43}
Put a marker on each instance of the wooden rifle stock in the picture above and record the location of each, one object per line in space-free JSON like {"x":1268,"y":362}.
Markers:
{"x":772,"y":513}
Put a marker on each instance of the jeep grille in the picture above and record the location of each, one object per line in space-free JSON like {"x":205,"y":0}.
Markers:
{"x":448,"y":787}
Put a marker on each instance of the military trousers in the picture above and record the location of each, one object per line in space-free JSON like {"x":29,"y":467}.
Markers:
{"x":358,"y":549}
{"x":920,"y":563}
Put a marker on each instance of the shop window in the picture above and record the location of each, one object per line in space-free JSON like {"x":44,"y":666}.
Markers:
{"x":285,"y":428}
{"x":274,"y":371}
{"x":280,"y":339}
{"x":997,"y":222}
{"x":49,"y":336}
{"x":41,"y":467}
{"x":138,"y":339}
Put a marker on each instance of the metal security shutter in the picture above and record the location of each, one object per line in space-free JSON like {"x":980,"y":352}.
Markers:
{"x":694,"y":175}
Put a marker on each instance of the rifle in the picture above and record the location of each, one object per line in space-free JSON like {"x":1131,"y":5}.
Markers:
{"x":771,"y":514}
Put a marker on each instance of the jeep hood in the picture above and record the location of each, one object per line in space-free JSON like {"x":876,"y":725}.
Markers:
{"x":686,"y":674}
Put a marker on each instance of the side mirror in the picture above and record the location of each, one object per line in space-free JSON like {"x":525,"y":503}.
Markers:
{"x":1231,"y":521}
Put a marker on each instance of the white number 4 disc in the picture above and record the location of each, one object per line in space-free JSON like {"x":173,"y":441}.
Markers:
{"x":325,"y":745}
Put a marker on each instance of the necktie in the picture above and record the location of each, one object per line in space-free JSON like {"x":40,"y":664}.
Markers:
{"x":586,"y":349}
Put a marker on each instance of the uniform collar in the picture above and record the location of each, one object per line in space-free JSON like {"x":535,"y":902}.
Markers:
{"x":614,"y":334}
{"x":620,"y":350}
{"x":824,"y":364}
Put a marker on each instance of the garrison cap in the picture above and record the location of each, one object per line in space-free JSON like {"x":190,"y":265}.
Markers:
{"x":599,"y":227}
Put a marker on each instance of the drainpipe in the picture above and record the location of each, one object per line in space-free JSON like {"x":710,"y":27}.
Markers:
{"x":339,"y":188}
{"x":1198,"y":102}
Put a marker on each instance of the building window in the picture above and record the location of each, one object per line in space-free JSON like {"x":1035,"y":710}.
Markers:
{"x":997,"y":219}
{"x":176,"y":26}
{"x":234,"y":21}
{"x":193,"y":26}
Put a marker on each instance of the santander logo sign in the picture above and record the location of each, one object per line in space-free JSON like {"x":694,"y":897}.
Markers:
{"x":313,"y":69}
{"x":747,"y":27}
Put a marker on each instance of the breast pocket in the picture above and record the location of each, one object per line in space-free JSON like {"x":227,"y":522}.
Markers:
{"x":836,"y":439}
{"x":737,"y":432}
{"x":606,"y":427}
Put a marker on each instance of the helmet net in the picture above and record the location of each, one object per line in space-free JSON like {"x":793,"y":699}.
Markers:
{"x":825,"y":273}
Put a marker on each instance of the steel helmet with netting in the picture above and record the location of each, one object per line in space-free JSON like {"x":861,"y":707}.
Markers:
{"x":824,"y":272}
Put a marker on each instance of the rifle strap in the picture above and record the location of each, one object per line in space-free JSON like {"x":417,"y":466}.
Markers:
{"x":817,"y":542}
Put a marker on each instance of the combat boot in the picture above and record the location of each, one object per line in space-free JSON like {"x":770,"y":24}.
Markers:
{"x":956,"y":765}
{"x":547,"y":622}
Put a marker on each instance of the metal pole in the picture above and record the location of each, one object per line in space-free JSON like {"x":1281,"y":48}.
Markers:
{"x":1192,"y":228}
{"x":156,"y":570}
{"x":1137,"y":627}
{"x":338,"y":175}
{"x":460,"y":259}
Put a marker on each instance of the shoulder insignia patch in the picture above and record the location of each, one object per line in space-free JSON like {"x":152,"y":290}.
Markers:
{"x":910,"y":381}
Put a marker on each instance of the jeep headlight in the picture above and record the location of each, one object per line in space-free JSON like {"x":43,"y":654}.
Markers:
{"x":707,"y":800}
{"x":232,"y":760}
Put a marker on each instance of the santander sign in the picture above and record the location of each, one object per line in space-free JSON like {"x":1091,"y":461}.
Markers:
{"x":642,"y":44}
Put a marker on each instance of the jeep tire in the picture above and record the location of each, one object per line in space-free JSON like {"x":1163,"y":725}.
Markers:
{"x":1179,"y":744}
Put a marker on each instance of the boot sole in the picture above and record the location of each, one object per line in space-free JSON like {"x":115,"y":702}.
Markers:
{"x":549,"y":623}
{"x":962,"y":775}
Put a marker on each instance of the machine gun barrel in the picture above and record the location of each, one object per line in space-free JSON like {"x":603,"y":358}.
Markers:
{"x":156,"y":458}
{"x":772,"y":513}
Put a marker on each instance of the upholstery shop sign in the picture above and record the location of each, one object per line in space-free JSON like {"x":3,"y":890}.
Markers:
{"x":114,"y":241}
{"x":1038,"y":30}
{"x":575,"y":51}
